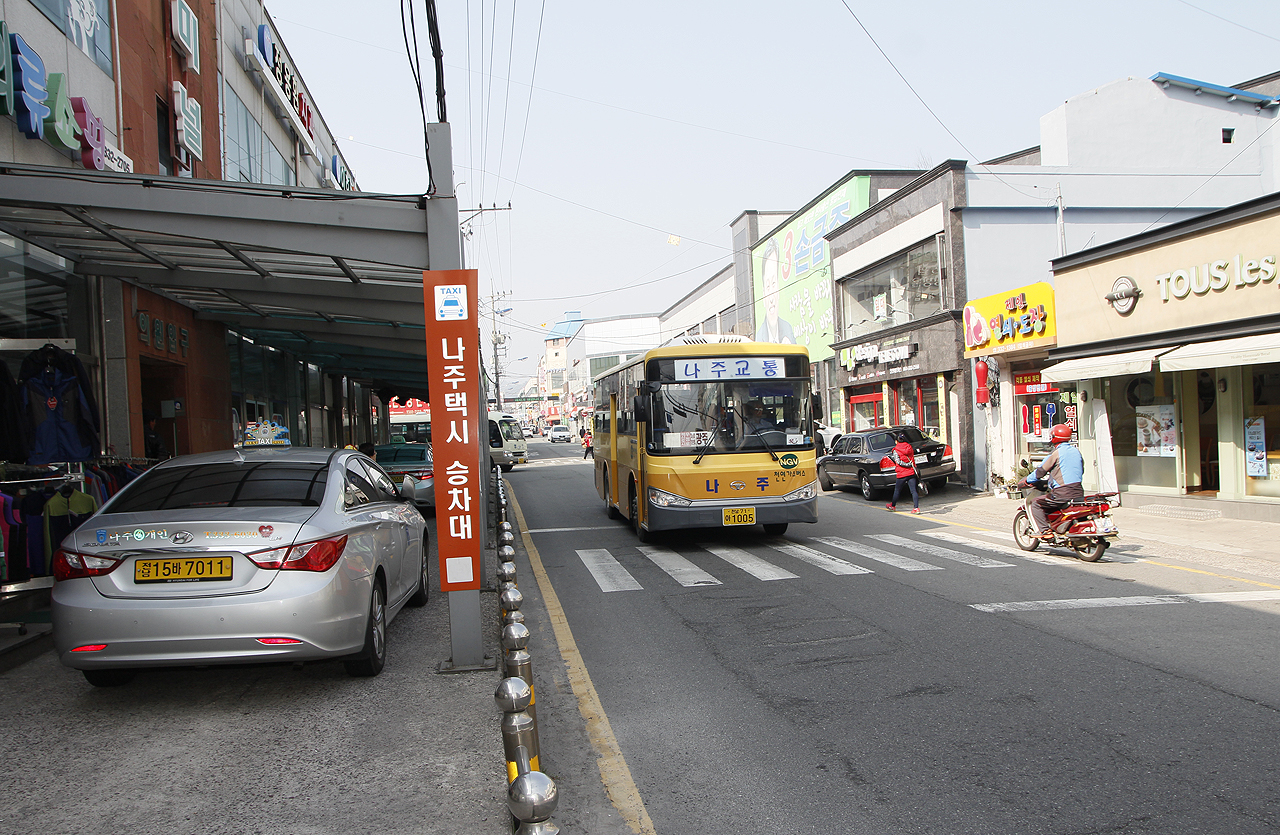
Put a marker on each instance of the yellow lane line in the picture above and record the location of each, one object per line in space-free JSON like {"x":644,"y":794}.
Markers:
{"x":1213,"y":574}
{"x":614,"y":772}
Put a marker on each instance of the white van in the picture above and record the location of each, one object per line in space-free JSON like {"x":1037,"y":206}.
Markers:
{"x":507,"y":445}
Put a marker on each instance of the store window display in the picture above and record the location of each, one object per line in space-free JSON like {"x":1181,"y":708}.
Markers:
{"x":1262,"y":430}
{"x":1143,"y":414}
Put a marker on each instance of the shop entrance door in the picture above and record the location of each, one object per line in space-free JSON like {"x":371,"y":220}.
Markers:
{"x":1200,"y":431}
{"x":867,"y":411}
{"x":164,"y":391}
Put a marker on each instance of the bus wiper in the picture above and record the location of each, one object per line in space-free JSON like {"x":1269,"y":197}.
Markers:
{"x":756,"y":432}
{"x":705,"y":448}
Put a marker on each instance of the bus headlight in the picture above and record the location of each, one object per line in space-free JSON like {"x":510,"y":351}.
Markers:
{"x":806,"y":492}
{"x":661,"y":498}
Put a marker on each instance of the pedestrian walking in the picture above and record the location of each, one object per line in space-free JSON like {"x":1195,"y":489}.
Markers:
{"x":903,"y":456}
{"x":587,"y":450}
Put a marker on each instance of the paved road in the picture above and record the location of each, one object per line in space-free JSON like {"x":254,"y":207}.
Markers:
{"x":885,"y":673}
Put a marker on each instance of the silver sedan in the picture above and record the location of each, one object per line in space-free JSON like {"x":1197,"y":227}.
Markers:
{"x":414,"y":461}
{"x":255,"y":555}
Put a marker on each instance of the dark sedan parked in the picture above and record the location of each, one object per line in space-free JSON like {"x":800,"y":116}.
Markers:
{"x":856,"y":459}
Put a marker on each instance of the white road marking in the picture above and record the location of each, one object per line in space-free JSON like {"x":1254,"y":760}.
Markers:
{"x":939,"y":551}
{"x":750,"y":563}
{"x":1142,"y":600}
{"x":681,"y":570}
{"x":828,"y":563}
{"x":608,"y":572}
{"x":1004,"y":550}
{"x":595,"y":528}
{"x":905,"y":563}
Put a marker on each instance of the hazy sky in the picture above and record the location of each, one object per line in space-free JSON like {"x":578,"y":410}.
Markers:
{"x":610,"y":127}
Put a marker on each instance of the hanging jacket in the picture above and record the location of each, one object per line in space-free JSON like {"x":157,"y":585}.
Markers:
{"x":59,"y":413}
{"x":65,"y":511}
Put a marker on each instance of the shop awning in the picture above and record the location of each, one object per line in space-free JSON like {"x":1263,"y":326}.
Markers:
{"x":1223,"y":353}
{"x":333,"y":276}
{"x":1107,"y":365}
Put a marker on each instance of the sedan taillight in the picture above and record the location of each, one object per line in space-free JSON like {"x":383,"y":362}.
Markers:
{"x":421,"y":475}
{"x":947,"y":454}
{"x":308,"y":556}
{"x":70,"y":565}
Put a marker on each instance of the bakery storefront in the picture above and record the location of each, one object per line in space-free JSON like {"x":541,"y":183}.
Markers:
{"x":1007,"y":337}
{"x":1173,"y":339}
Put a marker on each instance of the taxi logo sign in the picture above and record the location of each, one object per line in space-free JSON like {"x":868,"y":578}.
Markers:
{"x":451,"y":302}
{"x":790,"y":461}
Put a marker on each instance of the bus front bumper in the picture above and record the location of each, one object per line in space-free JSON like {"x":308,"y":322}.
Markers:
{"x":711,"y":515}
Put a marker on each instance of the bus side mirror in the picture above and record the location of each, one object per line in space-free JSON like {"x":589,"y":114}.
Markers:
{"x":641,"y":406}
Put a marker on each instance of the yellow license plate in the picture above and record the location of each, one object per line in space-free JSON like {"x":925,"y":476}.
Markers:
{"x":739,"y":515}
{"x":182,"y":570}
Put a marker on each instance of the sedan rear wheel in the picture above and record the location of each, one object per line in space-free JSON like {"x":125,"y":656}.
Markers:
{"x":109,"y":678}
{"x":868,"y":492}
{"x":423,"y":592}
{"x":374,"y":655}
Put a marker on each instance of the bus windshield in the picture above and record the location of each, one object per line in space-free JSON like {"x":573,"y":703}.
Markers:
{"x":690,"y":418}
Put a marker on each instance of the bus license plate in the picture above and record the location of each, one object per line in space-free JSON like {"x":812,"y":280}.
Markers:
{"x":182,"y":570}
{"x":739,"y":515}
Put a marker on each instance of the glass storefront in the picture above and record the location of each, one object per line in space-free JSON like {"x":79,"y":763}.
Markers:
{"x":1143,"y":413}
{"x":906,"y":288}
{"x":1262,"y":430}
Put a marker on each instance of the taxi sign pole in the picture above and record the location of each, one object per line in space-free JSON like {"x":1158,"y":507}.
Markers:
{"x":458,"y":413}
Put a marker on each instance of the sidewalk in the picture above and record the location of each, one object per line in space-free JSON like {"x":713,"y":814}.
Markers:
{"x":1152,"y":531}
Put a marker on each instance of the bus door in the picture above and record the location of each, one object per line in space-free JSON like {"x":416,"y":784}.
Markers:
{"x":613,"y":448}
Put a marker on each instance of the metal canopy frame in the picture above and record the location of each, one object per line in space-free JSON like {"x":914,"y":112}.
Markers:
{"x":334,"y":277}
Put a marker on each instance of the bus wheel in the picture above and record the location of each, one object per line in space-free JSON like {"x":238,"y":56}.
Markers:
{"x":776,"y":529}
{"x":641,"y":533}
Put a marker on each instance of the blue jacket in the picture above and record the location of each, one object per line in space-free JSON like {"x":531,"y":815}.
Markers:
{"x":1065,"y":465}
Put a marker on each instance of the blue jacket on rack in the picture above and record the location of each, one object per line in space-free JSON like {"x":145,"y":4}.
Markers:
{"x":58,"y":408}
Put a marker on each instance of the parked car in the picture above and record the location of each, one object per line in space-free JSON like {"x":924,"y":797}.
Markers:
{"x":253,"y":555}
{"x":855,"y":460}
{"x":527,"y":430}
{"x":560,"y":432}
{"x":414,"y":461}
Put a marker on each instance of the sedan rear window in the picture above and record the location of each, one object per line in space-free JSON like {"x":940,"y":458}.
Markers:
{"x":401,"y":453}
{"x":267,"y":484}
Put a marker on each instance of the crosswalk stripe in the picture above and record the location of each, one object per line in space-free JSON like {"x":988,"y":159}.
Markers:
{"x":1137,"y":600}
{"x":939,"y":551}
{"x":1003,"y":550}
{"x":828,"y":563}
{"x":750,"y":563}
{"x":608,"y":572}
{"x":681,"y":570}
{"x":905,"y":563}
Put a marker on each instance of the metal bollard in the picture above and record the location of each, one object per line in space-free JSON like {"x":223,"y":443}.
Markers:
{"x":507,"y":572}
{"x":532,"y":797}
{"x":506,"y":553}
{"x":506,"y":537}
{"x":514,"y":616}
{"x":517,"y":661}
{"x":504,"y":526}
{"x":519,"y":730}
{"x":509,"y":600}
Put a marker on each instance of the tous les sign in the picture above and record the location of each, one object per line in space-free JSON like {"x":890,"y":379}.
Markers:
{"x":1216,"y":276}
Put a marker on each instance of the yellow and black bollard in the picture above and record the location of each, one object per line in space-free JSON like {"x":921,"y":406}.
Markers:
{"x":516,"y":660}
{"x":519,"y":729}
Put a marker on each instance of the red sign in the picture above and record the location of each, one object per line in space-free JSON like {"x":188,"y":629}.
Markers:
{"x":453,"y":366}
{"x":1029,"y":383}
{"x":410,"y":408}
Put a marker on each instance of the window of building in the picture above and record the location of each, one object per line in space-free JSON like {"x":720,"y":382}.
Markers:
{"x":248,"y":154}
{"x":905,"y":288}
{"x":1228,"y":136}
{"x":1141,"y":409}
{"x":164,"y":141}
{"x":1262,"y":430}
{"x":86,"y":23}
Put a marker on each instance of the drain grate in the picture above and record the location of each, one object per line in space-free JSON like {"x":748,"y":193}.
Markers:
{"x":1172,"y":511}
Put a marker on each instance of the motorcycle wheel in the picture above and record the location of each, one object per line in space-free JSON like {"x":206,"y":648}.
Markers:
{"x":1091,"y":550}
{"x":1023,"y":534}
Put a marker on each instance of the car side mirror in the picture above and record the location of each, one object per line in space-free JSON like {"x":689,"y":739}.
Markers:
{"x":407,"y":489}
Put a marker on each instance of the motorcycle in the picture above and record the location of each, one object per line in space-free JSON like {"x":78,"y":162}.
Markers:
{"x":1085,"y":525}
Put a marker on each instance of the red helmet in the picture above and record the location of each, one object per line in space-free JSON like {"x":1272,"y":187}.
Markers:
{"x":1060,"y":433}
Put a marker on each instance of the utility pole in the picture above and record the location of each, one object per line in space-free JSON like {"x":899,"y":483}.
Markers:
{"x":499,"y":339}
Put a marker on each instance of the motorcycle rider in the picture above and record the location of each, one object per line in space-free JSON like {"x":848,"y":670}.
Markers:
{"x":1065,"y":470}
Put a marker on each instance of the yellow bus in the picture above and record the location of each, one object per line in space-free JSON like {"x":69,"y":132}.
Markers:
{"x":713,"y":432}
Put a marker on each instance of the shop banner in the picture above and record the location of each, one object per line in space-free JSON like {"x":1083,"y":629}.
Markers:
{"x":1157,"y":431}
{"x":453,"y":368}
{"x":1014,"y":320}
{"x":1255,"y":445}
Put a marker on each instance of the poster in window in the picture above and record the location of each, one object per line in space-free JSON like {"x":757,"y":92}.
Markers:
{"x":1255,"y":447}
{"x":1157,"y":431}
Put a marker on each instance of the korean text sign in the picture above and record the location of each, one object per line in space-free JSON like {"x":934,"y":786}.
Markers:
{"x":457,"y":412}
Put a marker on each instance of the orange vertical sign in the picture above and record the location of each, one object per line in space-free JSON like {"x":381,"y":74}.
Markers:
{"x":457,"y":413}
